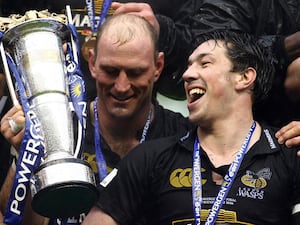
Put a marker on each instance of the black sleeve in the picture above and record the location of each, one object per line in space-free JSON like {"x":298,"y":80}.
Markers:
{"x":132,"y":197}
{"x":122,"y":198}
{"x":175,"y":41}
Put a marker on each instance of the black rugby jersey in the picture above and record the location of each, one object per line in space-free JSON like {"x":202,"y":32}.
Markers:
{"x":155,"y":181}
{"x":165,"y":123}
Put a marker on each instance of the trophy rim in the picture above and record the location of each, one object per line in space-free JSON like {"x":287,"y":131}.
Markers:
{"x":38,"y":24}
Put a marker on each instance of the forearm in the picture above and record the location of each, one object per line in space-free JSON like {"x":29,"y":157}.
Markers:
{"x":1,"y":219}
{"x":175,"y":42}
{"x":30,"y":217}
{"x":6,"y":188}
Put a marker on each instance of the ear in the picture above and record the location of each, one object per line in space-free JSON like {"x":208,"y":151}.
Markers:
{"x":160,"y":61}
{"x":91,"y":62}
{"x":245,"y":79}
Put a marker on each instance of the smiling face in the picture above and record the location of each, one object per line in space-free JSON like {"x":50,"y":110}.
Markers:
{"x":209,"y":83}
{"x":125,"y":72}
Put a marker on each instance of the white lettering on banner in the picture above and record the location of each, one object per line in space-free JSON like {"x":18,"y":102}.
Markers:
{"x":35,"y":130}
{"x":15,"y":203}
{"x":76,"y":20}
{"x":29,"y":157}
{"x":71,"y":67}
{"x":198,"y":207}
{"x":83,"y":104}
{"x":85,"y":22}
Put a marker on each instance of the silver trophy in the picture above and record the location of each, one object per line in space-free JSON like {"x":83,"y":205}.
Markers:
{"x":63,"y":185}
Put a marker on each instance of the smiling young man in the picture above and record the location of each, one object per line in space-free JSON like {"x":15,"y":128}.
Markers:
{"x":229,"y":169}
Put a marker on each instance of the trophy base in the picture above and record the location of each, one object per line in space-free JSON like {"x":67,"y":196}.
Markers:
{"x":63,"y":188}
{"x":64,"y":200}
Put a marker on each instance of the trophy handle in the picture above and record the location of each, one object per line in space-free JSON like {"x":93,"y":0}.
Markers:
{"x":8,"y":77}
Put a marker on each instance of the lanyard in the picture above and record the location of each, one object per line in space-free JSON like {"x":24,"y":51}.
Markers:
{"x":226,"y":185}
{"x":101,"y":164}
{"x":90,"y":5}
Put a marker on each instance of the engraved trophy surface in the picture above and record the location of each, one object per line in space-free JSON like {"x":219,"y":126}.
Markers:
{"x":63,"y":185}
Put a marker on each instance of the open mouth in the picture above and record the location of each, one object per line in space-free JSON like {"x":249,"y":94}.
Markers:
{"x":196,"y":93}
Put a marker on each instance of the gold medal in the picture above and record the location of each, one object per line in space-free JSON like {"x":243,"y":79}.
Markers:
{"x":87,"y":45}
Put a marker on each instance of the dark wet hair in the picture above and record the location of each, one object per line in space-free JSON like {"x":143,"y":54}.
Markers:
{"x":245,"y":51}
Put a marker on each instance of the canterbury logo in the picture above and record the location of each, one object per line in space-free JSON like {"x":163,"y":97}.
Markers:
{"x":91,"y":159}
{"x":183,"y":178}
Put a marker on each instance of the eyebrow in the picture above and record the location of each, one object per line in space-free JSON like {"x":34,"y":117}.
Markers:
{"x":199,"y":57}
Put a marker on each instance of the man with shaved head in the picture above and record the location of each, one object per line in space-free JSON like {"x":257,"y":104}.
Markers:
{"x":125,"y":64}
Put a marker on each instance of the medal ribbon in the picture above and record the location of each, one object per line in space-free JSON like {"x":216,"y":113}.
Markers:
{"x":30,"y":155}
{"x":226,"y":185}
{"x":101,"y":164}
{"x":76,"y":86}
{"x":90,"y":5}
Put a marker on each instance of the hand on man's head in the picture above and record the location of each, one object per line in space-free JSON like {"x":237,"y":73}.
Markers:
{"x":292,"y":80}
{"x":141,"y":9}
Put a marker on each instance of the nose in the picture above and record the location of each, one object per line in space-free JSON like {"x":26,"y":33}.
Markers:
{"x":122,"y":83}
{"x":191,"y":73}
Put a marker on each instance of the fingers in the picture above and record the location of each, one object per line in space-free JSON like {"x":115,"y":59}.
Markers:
{"x":12,"y":126}
{"x":139,"y":9}
{"x":292,"y":80}
{"x":289,"y":134}
{"x":130,"y":7}
{"x":115,"y":5}
{"x":292,"y":45}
